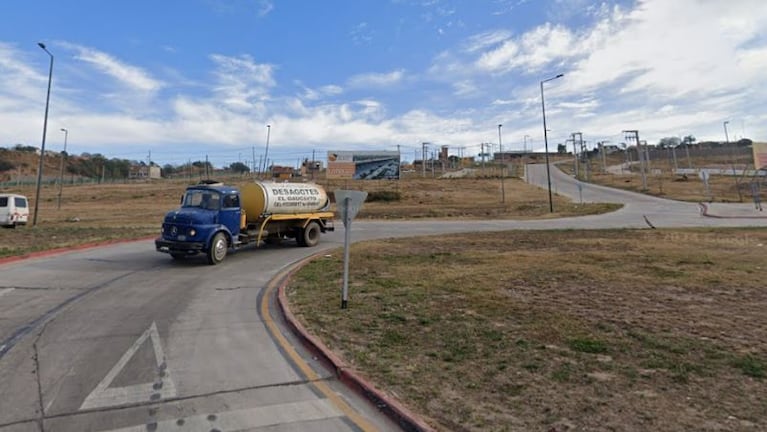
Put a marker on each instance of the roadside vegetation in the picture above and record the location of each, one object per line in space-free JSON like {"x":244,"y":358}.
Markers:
{"x":554,"y":330}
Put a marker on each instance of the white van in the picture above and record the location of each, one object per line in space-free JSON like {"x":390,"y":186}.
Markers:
{"x":14,"y":210}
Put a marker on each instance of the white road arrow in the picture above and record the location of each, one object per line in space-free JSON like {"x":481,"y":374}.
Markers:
{"x":162,"y":388}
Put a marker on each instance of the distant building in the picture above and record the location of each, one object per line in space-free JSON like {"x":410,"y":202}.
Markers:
{"x":283,"y":173}
{"x":144,"y":172}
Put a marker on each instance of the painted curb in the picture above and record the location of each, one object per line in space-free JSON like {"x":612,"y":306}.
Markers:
{"x":405,"y":418}
{"x":704,"y":212}
{"x":63,"y":250}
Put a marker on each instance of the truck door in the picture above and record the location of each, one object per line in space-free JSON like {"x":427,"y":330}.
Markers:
{"x":230,"y":213}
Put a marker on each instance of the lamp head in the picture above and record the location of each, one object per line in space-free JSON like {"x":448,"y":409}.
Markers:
{"x":41,"y":45}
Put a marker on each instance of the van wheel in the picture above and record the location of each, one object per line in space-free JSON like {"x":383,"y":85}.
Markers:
{"x":310,"y":235}
{"x":218,"y":249}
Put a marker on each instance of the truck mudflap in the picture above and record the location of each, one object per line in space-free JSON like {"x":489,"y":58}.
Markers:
{"x":176,"y":247}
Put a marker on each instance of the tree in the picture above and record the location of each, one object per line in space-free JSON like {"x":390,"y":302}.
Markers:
{"x":688,"y":140}
{"x":669,"y":142}
{"x":561,"y":149}
{"x":168,"y":170}
{"x":239,"y":167}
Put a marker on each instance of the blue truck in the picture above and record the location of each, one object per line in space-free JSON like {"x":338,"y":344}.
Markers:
{"x":214,"y":218}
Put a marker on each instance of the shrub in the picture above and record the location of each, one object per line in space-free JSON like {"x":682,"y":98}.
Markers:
{"x":385,"y":196}
{"x":6,"y":166}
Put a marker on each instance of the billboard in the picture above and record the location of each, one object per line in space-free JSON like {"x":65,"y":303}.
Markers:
{"x":760,"y":155}
{"x":363,"y":165}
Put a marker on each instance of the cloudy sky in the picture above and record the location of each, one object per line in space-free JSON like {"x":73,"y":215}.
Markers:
{"x":183,"y":79}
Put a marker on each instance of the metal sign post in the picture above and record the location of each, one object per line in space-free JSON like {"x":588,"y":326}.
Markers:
{"x":349,"y":203}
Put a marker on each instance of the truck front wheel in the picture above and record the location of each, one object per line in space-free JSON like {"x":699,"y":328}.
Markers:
{"x":310,"y":235}
{"x":218,"y":249}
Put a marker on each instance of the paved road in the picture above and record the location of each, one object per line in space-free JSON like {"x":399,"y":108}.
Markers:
{"x":121,"y":338}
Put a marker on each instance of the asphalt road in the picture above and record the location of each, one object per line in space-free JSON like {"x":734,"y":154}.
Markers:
{"x":121,"y":338}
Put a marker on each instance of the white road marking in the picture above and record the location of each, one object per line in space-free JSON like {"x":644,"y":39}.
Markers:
{"x":103,"y":395}
{"x":5,"y":291}
{"x":249,"y":418}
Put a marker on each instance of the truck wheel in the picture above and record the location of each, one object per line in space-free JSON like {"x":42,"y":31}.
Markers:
{"x":218,"y":249}
{"x":311,"y":235}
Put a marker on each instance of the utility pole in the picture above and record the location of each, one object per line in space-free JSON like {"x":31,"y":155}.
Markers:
{"x":575,"y":153}
{"x":584,"y":157}
{"x":266,"y":152}
{"x":634,"y":135}
{"x":601,"y":145}
{"x":254,"y":162}
{"x":503,"y":165}
{"x":423,"y":159}
{"x":61,"y":167}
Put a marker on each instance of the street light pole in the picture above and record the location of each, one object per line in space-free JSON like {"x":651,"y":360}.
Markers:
{"x":546,"y":141}
{"x":503,"y":165}
{"x":61,"y":167}
{"x":45,"y":130}
{"x":524,"y":145}
{"x":266,"y":152}
{"x":726,"y":136}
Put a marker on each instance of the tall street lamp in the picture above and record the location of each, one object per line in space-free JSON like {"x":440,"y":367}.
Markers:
{"x":546,"y":141}
{"x":503,"y":164}
{"x":726,"y":136}
{"x":61,"y":167}
{"x":45,"y":129}
{"x":266,"y":152}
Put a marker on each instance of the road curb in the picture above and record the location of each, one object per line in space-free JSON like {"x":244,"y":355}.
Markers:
{"x":62,"y":250}
{"x":392,"y":408}
{"x":704,"y":212}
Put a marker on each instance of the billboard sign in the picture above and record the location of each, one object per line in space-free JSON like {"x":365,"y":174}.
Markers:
{"x":760,"y":155}
{"x":363,"y":165}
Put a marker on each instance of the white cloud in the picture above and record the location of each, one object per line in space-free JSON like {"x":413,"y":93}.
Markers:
{"x":361,"y":34}
{"x":485,"y":40}
{"x":129,"y":75}
{"x":320,"y":92}
{"x":377,"y":79}
{"x":264,"y":7}
{"x":242,"y":83}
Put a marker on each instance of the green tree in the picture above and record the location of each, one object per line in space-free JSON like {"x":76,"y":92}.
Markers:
{"x":239,"y":168}
{"x":669,"y":142}
{"x":688,"y":140}
{"x":561,"y":149}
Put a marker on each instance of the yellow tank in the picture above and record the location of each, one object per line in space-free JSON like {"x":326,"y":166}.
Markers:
{"x":264,"y":197}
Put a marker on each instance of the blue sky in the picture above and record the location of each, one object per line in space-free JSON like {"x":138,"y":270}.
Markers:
{"x":186,"y":79}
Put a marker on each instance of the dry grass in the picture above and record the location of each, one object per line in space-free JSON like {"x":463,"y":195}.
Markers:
{"x":666,"y":184}
{"x":94,"y":213}
{"x":555,"y":331}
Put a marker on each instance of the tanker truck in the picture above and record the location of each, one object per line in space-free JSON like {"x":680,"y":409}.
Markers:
{"x":214,"y":218}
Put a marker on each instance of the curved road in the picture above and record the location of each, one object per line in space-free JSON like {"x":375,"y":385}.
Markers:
{"x":121,"y":338}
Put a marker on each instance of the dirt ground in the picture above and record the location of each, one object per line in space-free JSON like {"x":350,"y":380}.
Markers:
{"x":619,"y":330}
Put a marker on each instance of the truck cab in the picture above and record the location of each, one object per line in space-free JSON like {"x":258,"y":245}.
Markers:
{"x":205,"y":211}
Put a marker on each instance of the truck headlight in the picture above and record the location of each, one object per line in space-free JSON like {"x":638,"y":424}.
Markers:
{"x":192,"y":232}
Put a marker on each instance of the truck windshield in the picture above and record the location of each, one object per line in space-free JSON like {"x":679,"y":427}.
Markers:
{"x":204,"y":199}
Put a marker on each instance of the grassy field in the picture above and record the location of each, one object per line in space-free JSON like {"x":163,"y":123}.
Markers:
{"x":96,"y":213}
{"x":554,"y":331}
